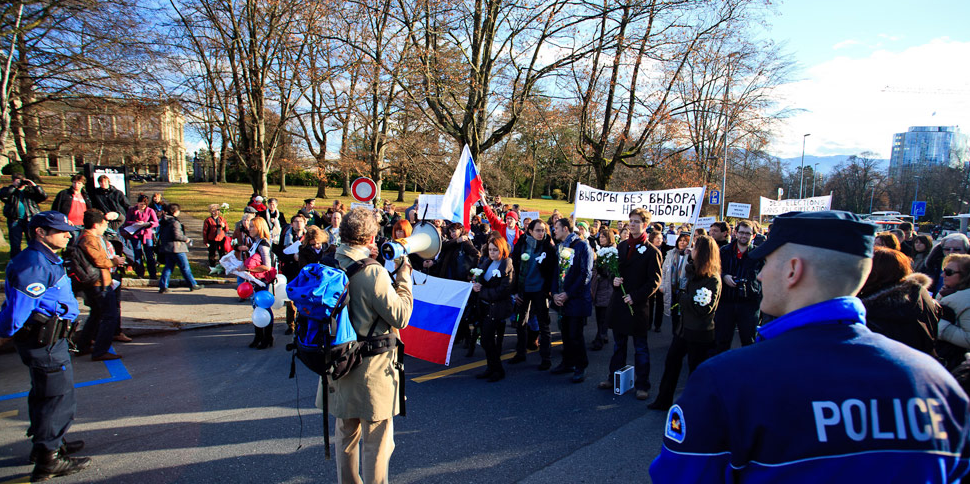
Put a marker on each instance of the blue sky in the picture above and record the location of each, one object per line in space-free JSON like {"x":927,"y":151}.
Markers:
{"x":849,"y":51}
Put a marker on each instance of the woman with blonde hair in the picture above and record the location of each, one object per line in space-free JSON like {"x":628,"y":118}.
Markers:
{"x":260,"y":262}
{"x":694,"y":338}
{"x":954,"y":327}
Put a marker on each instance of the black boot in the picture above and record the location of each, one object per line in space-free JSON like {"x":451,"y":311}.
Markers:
{"x":267,"y":340}
{"x":54,"y":464}
{"x":67,"y":448}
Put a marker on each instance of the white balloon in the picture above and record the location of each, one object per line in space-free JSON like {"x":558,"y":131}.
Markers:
{"x":261,"y":317}
{"x":278,"y":303}
{"x":281,"y":280}
{"x":279,"y":288}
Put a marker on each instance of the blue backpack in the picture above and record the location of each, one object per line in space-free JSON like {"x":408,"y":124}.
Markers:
{"x":324,"y":339}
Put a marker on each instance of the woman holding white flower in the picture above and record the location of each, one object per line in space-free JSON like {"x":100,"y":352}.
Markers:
{"x":694,"y":338}
{"x":602,"y":287}
{"x":535,"y":264}
{"x":494,"y":290}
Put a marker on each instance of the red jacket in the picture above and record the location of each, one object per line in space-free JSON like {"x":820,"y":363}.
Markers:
{"x":500,"y":225}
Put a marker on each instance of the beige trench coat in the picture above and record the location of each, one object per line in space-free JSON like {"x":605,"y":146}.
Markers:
{"x":369,"y":392}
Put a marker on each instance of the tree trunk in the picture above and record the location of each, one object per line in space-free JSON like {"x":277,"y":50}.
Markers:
{"x":282,"y":179}
{"x":215,"y":167}
{"x":402,"y":185}
{"x":535,"y":171}
{"x":346,"y":189}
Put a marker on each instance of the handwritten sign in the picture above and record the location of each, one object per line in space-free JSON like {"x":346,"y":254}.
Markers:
{"x":705,"y":222}
{"x":739,"y":210}
{"x":433,"y":205}
{"x":778,"y":207}
{"x":678,"y":205}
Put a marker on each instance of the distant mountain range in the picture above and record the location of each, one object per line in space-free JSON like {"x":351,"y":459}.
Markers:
{"x":825,"y":163}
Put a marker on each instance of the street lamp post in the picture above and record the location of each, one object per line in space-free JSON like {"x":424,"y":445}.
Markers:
{"x":814,"y":176}
{"x":801,"y":175}
{"x":724,"y":146}
{"x":873,"y":195}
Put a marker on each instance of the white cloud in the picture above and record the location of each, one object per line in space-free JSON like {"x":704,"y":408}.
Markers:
{"x":857,"y":104}
{"x":845,"y":43}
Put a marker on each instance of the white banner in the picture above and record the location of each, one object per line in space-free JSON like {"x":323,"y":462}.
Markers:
{"x":678,"y":205}
{"x":705,"y":223}
{"x":738,"y":210}
{"x":354,"y":205}
{"x":778,"y":207}
{"x":528,"y":215}
{"x":432,"y":203}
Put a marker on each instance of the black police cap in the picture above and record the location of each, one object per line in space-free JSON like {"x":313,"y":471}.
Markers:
{"x":835,"y":230}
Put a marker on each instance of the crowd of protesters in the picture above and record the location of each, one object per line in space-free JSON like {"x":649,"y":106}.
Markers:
{"x":629,"y":275}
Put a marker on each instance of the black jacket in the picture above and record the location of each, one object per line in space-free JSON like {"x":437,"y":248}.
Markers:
{"x":110,"y":200}
{"x":905,"y":312}
{"x":456,"y":260}
{"x":548,"y":268}
{"x":62,"y":201}
{"x":30,"y":194}
{"x":641,"y":279}
{"x":495,"y":297}
{"x":744,"y":270}
{"x":697,"y":318}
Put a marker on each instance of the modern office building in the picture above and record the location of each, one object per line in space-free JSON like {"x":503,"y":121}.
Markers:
{"x":928,"y":145}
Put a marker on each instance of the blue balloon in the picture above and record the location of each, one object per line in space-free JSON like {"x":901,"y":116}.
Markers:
{"x":264,"y":299}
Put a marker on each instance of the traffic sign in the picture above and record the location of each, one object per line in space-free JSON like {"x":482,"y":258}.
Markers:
{"x":919,"y":209}
{"x":715,"y":198}
{"x":363,"y":189}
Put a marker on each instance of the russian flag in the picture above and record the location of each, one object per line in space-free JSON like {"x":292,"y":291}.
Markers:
{"x":463,"y":191}
{"x":438,"y":306}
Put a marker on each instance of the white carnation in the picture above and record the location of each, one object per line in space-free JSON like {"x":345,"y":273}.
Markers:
{"x":703,"y":296}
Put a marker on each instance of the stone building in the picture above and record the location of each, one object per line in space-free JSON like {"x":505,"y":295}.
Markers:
{"x":146,"y":136}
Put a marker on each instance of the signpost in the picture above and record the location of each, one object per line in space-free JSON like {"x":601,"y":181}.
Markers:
{"x":918,"y":209}
{"x":363,"y":189}
{"x":715,"y":198}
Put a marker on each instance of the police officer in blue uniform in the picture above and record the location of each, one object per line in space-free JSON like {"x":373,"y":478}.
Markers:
{"x":819,"y":397}
{"x":38,"y":313}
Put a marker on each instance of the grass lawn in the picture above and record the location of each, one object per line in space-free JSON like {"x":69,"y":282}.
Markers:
{"x":194,"y":198}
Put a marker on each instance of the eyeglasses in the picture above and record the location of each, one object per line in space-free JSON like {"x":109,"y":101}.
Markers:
{"x":744,"y":233}
{"x":950,"y":272}
{"x":952,"y":249}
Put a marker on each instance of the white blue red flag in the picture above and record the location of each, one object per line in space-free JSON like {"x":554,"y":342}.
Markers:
{"x":438,"y":306}
{"x":463,"y":191}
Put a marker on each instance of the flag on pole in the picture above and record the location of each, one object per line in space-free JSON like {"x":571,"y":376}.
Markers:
{"x":438,"y":306}
{"x":463,"y":191}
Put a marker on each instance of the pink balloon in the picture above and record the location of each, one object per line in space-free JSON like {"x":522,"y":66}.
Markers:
{"x":245,"y":290}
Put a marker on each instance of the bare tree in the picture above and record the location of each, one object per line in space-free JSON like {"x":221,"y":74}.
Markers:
{"x":260,"y":46}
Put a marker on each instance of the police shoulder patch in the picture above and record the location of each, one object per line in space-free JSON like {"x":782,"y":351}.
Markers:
{"x":675,"y":429}
{"x":35,"y":289}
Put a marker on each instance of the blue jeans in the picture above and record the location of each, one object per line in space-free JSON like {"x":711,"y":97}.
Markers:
{"x":641,"y":359}
{"x":16,"y":230}
{"x":144,"y":252}
{"x":171,"y":260}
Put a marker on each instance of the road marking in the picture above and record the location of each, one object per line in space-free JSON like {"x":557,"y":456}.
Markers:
{"x":469,"y":366}
{"x":116,"y":370}
{"x":18,"y":480}
{"x":9,"y":413}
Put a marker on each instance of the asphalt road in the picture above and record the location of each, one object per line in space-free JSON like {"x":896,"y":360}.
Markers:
{"x":202,"y":407}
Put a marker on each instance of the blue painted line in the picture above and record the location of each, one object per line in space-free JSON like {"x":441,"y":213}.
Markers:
{"x":116,"y":372}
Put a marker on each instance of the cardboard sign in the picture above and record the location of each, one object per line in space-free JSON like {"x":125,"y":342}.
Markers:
{"x":739,"y":210}
{"x":778,"y":207}
{"x":678,"y":205}
{"x":528,"y":215}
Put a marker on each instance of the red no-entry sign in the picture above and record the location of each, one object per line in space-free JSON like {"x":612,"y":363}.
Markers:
{"x":363,"y":189}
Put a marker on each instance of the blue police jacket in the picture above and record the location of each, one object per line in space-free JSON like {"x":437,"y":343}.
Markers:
{"x":820,"y":398}
{"x":36,"y":281}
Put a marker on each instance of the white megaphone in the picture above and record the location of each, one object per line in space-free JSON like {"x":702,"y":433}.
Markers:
{"x":424,"y":241}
